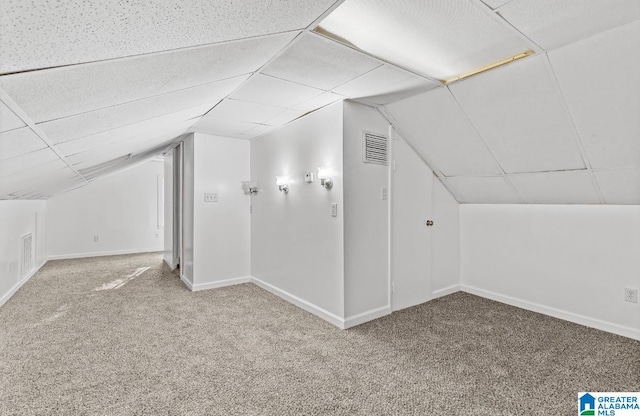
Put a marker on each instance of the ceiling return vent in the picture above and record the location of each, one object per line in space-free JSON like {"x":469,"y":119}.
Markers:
{"x":375,"y":149}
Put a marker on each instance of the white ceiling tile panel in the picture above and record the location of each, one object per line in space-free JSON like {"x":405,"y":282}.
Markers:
{"x":494,"y":4}
{"x":568,"y":187}
{"x":620,"y":186}
{"x":553,"y":23}
{"x":256,"y":131}
{"x":19,"y":142}
{"x":384,"y":85}
{"x":151,"y":127}
{"x":86,"y":124}
{"x":42,"y":182}
{"x":27,"y":162}
{"x":285,"y":117}
{"x":66,"y":32}
{"x":39,"y":171}
{"x":8,"y":120}
{"x":46,"y":189}
{"x":439,"y":131}
{"x":319,"y":101}
{"x":82,"y":88}
{"x":320,"y":63}
{"x":600,"y":82}
{"x":244,"y":111}
{"x":263,"y":89}
{"x":222,"y":127}
{"x":482,"y":190}
{"x":518,"y":113}
{"x":437,"y":38}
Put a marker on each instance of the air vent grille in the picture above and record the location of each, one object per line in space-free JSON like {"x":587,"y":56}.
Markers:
{"x":27,"y":254}
{"x":375,"y":149}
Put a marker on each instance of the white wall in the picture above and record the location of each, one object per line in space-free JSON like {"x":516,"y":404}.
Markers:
{"x":570,"y":262}
{"x":296,"y":245}
{"x":445,"y":241}
{"x":366,"y":216}
{"x":221,"y":229}
{"x":122,"y":209}
{"x":17,"y":219}
{"x":168,"y":254}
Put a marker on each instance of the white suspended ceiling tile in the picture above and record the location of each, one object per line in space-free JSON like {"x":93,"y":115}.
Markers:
{"x":149,"y":127}
{"x":599,"y":79}
{"x":437,"y":38}
{"x":8,"y":119}
{"x":46,"y":190}
{"x":434,"y":125}
{"x":222,"y":127}
{"x":74,"y":31}
{"x":258,"y":130}
{"x":244,"y":111}
{"x":482,"y":190}
{"x":519,"y":114}
{"x":39,"y":171}
{"x":620,"y":186}
{"x":263,"y":89}
{"x":40,"y":183}
{"x":26,"y":162}
{"x":494,"y":4}
{"x":384,"y":85}
{"x":19,"y":142}
{"x":320,"y":63}
{"x":86,"y":124}
{"x":62,"y":92}
{"x":285,"y":117}
{"x":319,"y":101}
{"x":567,"y":187}
{"x":553,"y":23}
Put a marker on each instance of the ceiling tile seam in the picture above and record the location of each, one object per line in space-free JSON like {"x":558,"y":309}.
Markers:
{"x":326,"y":13}
{"x":166,"y":51}
{"x":495,"y":159}
{"x":593,"y":35}
{"x":258,"y":71}
{"x":505,"y":24}
{"x":144,"y":98}
{"x":383,"y":61}
{"x":559,"y":93}
{"x":501,"y":6}
{"x":13,"y":106}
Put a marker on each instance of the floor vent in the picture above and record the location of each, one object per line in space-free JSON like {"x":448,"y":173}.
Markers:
{"x":375,"y":149}
{"x":27,"y":255}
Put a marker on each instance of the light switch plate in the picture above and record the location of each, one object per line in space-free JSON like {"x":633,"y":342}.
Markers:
{"x":334,"y":210}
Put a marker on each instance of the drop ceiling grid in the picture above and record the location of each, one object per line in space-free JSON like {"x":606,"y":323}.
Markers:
{"x":620,"y":185}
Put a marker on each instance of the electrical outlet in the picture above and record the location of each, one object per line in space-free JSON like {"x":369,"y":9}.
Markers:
{"x":334,"y":210}
{"x":630,"y":295}
{"x":384,"y":193}
{"x":208,"y":197}
{"x":96,"y":238}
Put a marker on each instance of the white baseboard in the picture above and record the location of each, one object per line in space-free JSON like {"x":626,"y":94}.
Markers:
{"x":169,"y":265}
{"x":220,"y":283}
{"x":101,"y":254}
{"x":556,"y":313}
{"x":301,"y":303}
{"x":186,"y":282}
{"x":445,"y":291}
{"x":18,"y":285}
{"x":355,"y":320}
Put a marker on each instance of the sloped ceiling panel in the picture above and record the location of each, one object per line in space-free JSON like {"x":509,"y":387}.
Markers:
{"x":244,"y":111}
{"x":521,"y":118}
{"x":65,"y":32}
{"x":620,"y":186}
{"x":435,"y":126}
{"x":553,"y":23}
{"x":78,"y":89}
{"x":570,"y":187}
{"x":482,"y":190}
{"x":94,"y":122}
{"x":8,"y":119}
{"x":320,"y":63}
{"x":27,"y":161}
{"x":272,"y":91}
{"x":600,"y":82}
{"x":18,"y":142}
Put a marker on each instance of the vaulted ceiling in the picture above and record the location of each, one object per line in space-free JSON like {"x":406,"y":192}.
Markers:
{"x":87,"y":87}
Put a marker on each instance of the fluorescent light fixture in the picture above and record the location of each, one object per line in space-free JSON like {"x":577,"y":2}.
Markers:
{"x":488,"y":67}
{"x":283,"y":184}
{"x":439,"y":39}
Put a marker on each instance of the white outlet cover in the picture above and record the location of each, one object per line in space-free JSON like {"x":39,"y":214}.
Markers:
{"x":210,"y":197}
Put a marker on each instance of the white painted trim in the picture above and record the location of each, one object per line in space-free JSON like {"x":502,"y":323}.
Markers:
{"x":102,"y":253}
{"x":169,"y":265}
{"x":624,"y":331}
{"x":361,"y":318}
{"x":445,"y":291}
{"x":301,"y":303}
{"x":186,"y":282}
{"x":18,"y":285}
{"x":220,"y":283}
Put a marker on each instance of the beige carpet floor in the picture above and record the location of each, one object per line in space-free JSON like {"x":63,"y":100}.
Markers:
{"x":145,"y":345}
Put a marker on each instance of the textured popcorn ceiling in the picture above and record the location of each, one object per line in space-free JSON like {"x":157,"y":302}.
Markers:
{"x":85,"y":83}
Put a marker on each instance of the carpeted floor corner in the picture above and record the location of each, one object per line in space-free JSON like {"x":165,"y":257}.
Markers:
{"x":108,"y":336}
